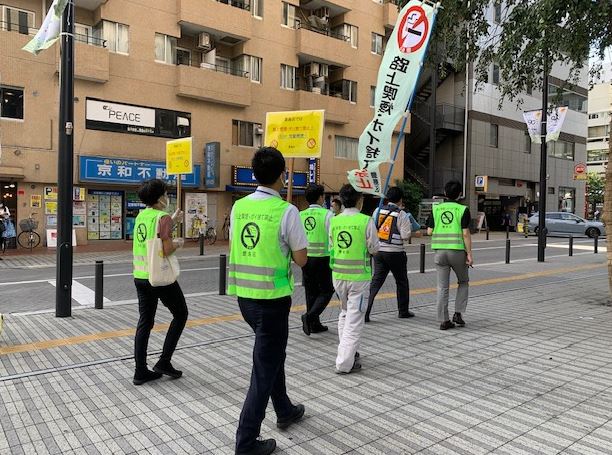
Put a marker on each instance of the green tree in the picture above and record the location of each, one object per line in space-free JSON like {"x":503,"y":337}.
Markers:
{"x":596,"y":186}
{"x":413,"y":195}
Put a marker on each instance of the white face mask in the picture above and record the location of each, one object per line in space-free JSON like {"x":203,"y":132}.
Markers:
{"x":163,"y":201}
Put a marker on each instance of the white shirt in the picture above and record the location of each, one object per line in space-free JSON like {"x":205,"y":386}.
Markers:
{"x":372,"y":241}
{"x":5,"y":212}
{"x":403,"y":225}
{"x":292,"y":236}
{"x":328,"y":216}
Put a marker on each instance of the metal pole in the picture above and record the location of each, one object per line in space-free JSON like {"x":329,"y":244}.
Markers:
{"x":422,"y":261}
{"x":507,"y":232}
{"x":543,"y":162}
{"x":99,"y":288}
{"x":222,"y":274}
{"x":507,"y":251}
{"x":432,"y":128}
{"x":201,"y":244}
{"x":596,"y":244}
{"x":65,"y":163}
{"x":571,"y":245}
{"x":487,"y":233}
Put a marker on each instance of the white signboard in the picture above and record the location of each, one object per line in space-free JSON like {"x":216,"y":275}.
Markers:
{"x":196,"y":214}
{"x":52,"y":238}
{"x":123,"y":114}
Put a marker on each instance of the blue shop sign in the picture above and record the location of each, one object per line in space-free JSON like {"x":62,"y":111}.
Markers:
{"x":130,"y":172}
{"x":243,"y":176}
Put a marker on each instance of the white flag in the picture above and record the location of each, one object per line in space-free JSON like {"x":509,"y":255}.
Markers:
{"x":533,"y":119}
{"x":554,"y":122}
{"x":50,"y":30}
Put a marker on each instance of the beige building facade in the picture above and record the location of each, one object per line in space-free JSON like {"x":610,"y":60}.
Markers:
{"x":177,"y":68}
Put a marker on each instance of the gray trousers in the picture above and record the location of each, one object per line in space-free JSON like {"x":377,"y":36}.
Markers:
{"x":445,"y":261}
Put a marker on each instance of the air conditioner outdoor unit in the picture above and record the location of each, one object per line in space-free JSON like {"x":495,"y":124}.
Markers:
{"x":259,"y":130}
{"x":204,"y":41}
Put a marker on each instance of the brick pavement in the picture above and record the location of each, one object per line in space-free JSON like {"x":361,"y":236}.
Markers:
{"x":531,"y":373}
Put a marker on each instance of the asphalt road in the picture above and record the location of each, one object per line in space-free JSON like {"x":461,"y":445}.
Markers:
{"x":32,"y":289}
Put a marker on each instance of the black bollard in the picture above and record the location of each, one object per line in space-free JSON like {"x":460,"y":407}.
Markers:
{"x":222,"y":274}
{"x":508,"y":251}
{"x":99,"y":286}
{"x":507,"y":232}
{"x":422,"y":268}
{"x":571,"y":245}
{"x":201,"y":244}
{"x":596,"y":243}
{"x":487,"y":233}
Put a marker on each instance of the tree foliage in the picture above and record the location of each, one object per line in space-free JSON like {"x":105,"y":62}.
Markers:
{"x":566,"y":32}
{"x":595,"y":188}
{"x":413,"y":195}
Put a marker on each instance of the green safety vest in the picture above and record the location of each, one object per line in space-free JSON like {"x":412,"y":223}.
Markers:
{"x":313,"y":220}
{"x":258,"y":268}
{"x":144,"y":230}
{"x":349,"y":257}
{"x":447,"y":233}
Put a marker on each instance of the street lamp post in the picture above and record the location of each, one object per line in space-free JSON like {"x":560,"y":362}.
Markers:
{"x":543,"y":161}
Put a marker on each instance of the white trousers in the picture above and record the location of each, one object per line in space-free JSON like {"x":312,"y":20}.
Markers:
{"x":354,"y":303}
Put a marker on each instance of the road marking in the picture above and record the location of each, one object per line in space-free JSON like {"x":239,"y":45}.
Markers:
{"x":70,"y":341}
{"x":82,"y":294}
{"x":603,"y":249}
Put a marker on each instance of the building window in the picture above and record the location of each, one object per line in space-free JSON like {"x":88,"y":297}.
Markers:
{"x":165,"y":49}
{"x":567,"y":199}
{"x":289,"y":13}
{"x":83,"y":33}
{"x":495,"y":74}
{"x":562,"y":149}
{"x":17,"y":20}
{"x":573,"y":100}
{"x":11,"y":103}
{"x":346,"y":147}
{"x":494,"y":135}
{"x":551,"y":190}
{"x":497,"y":10}
{"x":183,"y":56}
{"x":527,"y":143}
{"x":257,"y":8}
{"x":597,"y":155}
{"x":116,"y":36}
{"x":349,"y":32}
{"x":601,"y":131}
{"x":287,"y":77}
{"x":593,"y":116}
{"x":250,"y":65}
{"x":377,"y":44}
{"x":344,"y":89}
{"x":372,"y":95}
{"x":246,"y":134}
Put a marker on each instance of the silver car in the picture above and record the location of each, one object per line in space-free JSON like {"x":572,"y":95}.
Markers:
{"x":568,"y":223}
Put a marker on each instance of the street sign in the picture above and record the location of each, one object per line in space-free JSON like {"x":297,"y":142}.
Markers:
{"x":179,"y":158}
{"x":296,"y":134}
{"x":481,"y":183}
{"x":413,"y":30}
{"x":580,"y":168}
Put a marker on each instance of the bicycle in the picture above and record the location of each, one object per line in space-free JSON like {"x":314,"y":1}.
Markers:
{"x":199,"y":226}
{"x":226,"y":227}
{"x":28,"y":237}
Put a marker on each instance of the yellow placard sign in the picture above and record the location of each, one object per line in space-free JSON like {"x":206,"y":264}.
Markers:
{"x":297,"y":134}
{"x":179,"y":157}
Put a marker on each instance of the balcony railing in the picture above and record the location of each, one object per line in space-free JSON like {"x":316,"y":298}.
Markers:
{"x":241,"y":4}
{"x":326,"y":91}
{"x":320,"y":31}
{"x":218,"y":69}
{"x":19,"y":28}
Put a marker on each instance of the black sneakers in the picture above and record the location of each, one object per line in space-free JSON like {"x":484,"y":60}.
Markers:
{"x":261,"y":447}
{"x":141,"y":377}
{"x":285,"y":422}
{"x":457,"y":319}
{"x":318,"y":328}
{"x":305,"y":324}
{"x":404,"y":315}
{"x":447,"y":325}
{"x":167,"y":369}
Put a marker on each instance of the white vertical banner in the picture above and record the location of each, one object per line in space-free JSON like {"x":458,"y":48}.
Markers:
{"x":533,"y":119}
{"x":554,"y":123}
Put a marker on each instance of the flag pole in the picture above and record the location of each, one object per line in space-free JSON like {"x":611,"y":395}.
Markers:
{"x":65,"y":164}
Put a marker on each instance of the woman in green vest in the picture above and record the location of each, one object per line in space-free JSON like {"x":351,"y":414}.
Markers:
{"x":150,"y":222}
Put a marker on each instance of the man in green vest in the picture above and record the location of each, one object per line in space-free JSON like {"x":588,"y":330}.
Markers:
{"x":353,"y":240}
{"x":266,"y":233}
{"x":449,"y":227}
{"x":316,"y":274}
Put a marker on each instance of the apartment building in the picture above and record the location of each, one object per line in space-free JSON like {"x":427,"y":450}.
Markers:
{"x":498,"y":149}
{"x":600,"y":115}
{"x":147,"y":72}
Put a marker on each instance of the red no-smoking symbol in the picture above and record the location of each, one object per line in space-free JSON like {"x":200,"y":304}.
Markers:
{"x":413,"y":30}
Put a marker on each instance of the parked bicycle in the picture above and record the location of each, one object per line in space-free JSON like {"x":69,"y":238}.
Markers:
{"x":226,"y":227}
{"x":200,"y":226}
{"x":28,"y":237}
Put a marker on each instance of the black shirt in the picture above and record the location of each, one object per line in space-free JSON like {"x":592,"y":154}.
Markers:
{"x":465,"y":220}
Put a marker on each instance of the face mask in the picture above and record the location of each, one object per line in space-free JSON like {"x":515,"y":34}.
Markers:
{"x":163,"y":202}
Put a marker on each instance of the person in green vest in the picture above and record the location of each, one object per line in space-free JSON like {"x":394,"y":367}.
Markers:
{"x":316,"y":274}
{"x":449,"y":227}
{"x":266,"y":233}
{"x":353,"y":239}
{"x":153,"y":193}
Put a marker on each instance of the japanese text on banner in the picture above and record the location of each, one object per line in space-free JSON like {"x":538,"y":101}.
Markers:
{"x":296,"y":134}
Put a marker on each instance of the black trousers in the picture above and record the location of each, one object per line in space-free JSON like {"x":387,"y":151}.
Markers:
{"x":172,"y":297}
{"x":397,"y":264}
{"x":269,"y":319}
{"x":318,"y":285}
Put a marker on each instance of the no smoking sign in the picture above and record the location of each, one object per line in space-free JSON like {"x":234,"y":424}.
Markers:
{"x":413,"y":30}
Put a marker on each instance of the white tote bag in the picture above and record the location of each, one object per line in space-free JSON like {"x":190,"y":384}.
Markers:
{"x":163,"y":270}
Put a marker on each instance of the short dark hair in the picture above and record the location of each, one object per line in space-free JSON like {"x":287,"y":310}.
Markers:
{"x":151,"y":190}
{"x":453,"y":189}
{"x":337,"y":200}
{"x":314,"y":192}
{"x":395,"y":194}
{"x":349,"y":196}
{"x":268,"y":165}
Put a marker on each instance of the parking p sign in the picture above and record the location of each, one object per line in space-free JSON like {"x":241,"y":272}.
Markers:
{"x":481,"y":183}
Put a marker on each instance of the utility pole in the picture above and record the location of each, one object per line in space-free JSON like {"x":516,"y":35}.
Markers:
{"x":432,"y":125}
{"x":542,"y":231}
{"x":65,"y":166}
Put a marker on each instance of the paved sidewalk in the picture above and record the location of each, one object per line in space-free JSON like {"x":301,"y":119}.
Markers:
{"x":531,"y":373}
